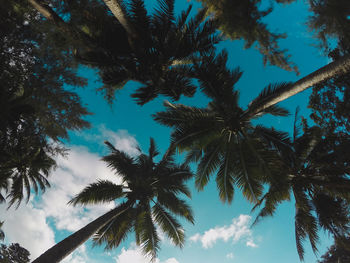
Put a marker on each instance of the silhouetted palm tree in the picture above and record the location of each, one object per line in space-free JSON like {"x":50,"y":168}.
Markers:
{"x":221,"y":137}
{"x":148,"y":196}
{"x":316,"y":175}
{"x":155,"y":50}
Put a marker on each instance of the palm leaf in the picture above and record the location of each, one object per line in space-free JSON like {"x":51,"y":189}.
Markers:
{"x":117,"y":230}
{"x":177,"y":206}
{"x":224,"y":177}
{"x":208,"y":164}
{"x":268,"y":92}
{"x":100,"y":192}
{"x":168,"y":224}
{"x":148,"y":237}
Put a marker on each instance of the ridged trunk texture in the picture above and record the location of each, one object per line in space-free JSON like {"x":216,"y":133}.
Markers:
{"x":62,"y":249}
{"x":337,"y":68}
{"x":118,"y":11}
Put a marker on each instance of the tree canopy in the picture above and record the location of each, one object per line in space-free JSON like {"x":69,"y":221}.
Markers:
{"x":37,"y":111}
{"x":13,"y":253}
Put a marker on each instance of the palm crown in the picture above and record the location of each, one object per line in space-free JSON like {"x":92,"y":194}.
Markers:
{"x":158,"y":56}
{"x":149,"y":195}
{"x":316,"y":174}
{"x":221,"y":136}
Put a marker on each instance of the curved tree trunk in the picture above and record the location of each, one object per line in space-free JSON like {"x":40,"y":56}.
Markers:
{"x":62,"y":249}
{"x":52,"y":16}
{"x":337,"y":68}
{"x":116,"y":7}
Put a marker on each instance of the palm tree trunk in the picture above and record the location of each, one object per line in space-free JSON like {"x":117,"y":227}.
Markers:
{"x":62,"y":249}
{"x":52,"y":16}
{"x":116,"y":7}
{"x":336,"y":68}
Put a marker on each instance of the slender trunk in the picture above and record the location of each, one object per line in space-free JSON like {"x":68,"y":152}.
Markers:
{"x":62,"y":249}
{"x":116,"y":7}
{"x":52,"y":16}
{"x":336,"y":68}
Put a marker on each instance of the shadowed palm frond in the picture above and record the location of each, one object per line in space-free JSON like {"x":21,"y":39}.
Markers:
{"x":117,"y":230}
{"x":267,"y":93}
{"x":99,"y":192}
{"x":148,"y":237}
{"x":169,"y":225}
{"x":175,"y":205}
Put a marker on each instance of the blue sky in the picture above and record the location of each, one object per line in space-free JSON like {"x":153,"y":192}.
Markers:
{"x":222,"y":232}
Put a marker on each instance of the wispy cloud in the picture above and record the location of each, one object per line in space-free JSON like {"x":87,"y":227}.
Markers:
{"x":134,"y":255}
{"x":229,"y":256}
{"x":120,"y":139}
{"x":238,"y":230}
{"x":29,"y":224}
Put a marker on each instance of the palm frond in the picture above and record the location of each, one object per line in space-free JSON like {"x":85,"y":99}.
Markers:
{"x":175,"y":205}
{"x":275,"y":139}
{"x":152,"y":150}
{"x":148,"y":237}
{"x":116,"y":231}
{"x":268,"y":92}
{"x":169,"y":225}
{"x":208,"y":165}
{"x":224,"y":177}
{"x":100,"y":192}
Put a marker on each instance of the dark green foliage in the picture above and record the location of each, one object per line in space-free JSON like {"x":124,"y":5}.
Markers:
{"x":221,"y":137}
{"x":339,"y":252}
{"x":157,"y":56}
{"x":316,"y":175}
{"x":330,"y":20}
{"x":36,"y":111}
{"x":150,"y":194}
{"x":242,"y":19}
{"x":13,"y":253}
{"x":330,"y":104}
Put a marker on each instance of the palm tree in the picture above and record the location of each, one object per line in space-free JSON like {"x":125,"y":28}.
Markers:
{"x":156,"y":52}
{"x":338,"y":67}
{"x":149,"y":196}
{"x":316,"y":175}
{"x":221,"y":137}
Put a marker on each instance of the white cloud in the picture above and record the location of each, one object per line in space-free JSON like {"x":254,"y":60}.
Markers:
{"x":75,"y":172}
{"x":134,"y":255}
{"x":28,"y":225}
{"x":251,"y":243}
{"x":230,"y":256}
{"x":238,"y":230}
{"x":121,"y":139}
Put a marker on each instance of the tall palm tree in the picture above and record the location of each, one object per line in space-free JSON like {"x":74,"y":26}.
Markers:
{"x":221,"y":137}
{"x":148,"y":196}
{"x":316,"y":175}
{"x":155,"y":52}
{"x":338,"y":67}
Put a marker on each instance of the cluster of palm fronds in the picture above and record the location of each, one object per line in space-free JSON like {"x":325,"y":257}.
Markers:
{"x":168,"y":55}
